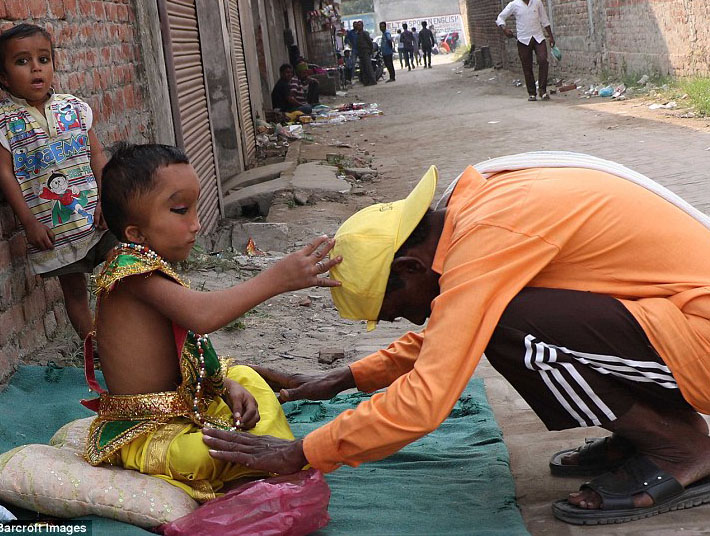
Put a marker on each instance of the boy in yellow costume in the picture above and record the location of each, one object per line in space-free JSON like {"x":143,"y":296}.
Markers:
{"x":165,"y":381}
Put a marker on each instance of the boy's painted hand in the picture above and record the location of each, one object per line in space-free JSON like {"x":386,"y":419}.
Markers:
{"x":244,"y":407}
{"x":301,"y":269}
{"x":40,"y":236}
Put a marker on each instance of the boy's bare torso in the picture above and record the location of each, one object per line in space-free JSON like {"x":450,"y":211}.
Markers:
{"x":136,"y":344}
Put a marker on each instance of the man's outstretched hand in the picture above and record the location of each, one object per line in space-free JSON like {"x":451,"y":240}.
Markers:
{"x":307,"y":386}
{"x":263,"y":453}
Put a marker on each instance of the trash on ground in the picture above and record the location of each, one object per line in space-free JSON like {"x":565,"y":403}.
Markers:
{"x":252,"y":250}
{"x":606,"y":91}
{"x":667,"y":106}
{"x":643,"y":80}
{"x":567,"y":87}
{"x":493,"y":122}
{"x":517,"y":82}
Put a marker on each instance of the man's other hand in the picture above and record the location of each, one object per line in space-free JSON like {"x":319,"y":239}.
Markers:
{"x":307,"y":386}
{"x":262,"y":453}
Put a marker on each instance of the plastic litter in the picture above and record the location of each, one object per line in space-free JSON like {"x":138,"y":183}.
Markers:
{"x":6,"y":515}
{"x":667,"y":106}
{"x":619,"y":91}
{"x":289,"y":505}
{"x":643,"y":80}
{"x":556,"y":53}
{"x":607,"y":91}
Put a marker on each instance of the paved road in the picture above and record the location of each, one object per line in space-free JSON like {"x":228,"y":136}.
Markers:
{"x":441,"y":117}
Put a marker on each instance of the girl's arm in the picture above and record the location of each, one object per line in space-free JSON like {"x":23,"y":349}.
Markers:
{"x":40,"y":236}
{"x":98,"y":161}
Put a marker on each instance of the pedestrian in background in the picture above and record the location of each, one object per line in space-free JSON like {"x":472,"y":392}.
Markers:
{"x":530,"y":19}
{"x":426,"y":42}
{"x":387,"y":50}
{"x":364,"y":52}
{"x":407,"y":40}
{"x":400,"y":48}
{"x":417,"y":52}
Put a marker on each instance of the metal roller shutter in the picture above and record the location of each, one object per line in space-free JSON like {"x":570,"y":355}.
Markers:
{"x":190,"y":107}
{"x":239,"y":68}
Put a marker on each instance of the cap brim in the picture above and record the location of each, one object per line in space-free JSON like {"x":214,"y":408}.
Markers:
{"x":416,"y":204}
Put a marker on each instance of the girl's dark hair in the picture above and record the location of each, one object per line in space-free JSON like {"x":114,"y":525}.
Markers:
{"x":20,"y":31}
{"x":129,"y":173}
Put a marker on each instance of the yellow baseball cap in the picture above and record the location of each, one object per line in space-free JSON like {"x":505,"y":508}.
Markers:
{"x":367,"y":241}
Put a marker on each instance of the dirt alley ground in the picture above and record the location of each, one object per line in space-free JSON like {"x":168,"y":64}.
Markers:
{"x":453,"y":117}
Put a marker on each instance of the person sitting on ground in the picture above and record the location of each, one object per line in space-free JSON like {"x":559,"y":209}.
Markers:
{"x":282,"y":98}
{"x":304,"y":88}
{"x":168,"y":383}
{"x":587,"y":287}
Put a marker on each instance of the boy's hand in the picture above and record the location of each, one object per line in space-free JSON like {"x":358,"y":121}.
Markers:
{"x":39,"y":235}
{"x":306,"y":386}
{"x":301,"y":269}
{"x":243,"y":404}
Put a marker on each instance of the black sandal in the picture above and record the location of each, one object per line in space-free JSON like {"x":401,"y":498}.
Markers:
{"x":617,"y":489}
{"x":593,"y":457}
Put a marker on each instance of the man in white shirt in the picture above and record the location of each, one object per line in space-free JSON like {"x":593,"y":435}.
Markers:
{"x":530,"y":19}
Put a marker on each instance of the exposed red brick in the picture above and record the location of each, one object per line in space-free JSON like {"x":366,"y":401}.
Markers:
{"x":11,"y":323}
{"x":18,"y":245}
{"x":34,"y":305}
{"x":17,"y":9}
{"x":5,"y":256}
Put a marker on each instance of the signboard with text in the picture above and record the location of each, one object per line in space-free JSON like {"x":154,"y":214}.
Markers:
{"x":441,"y":25}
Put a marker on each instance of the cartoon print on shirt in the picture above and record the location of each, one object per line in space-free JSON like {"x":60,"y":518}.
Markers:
{"x":67,"y":118}
{"x":16,"y":124}
{"x":69,"y":200}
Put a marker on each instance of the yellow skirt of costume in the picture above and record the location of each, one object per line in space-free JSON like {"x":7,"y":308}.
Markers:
{"x":176,"y":453}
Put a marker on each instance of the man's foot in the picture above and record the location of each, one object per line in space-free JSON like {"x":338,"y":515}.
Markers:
{"x":409,"y":68}
{"x":545,"y":96}
{"x":676,"y":441}
{"x":594,"y":457}
{"x":390,"y":80}
{"x":532,"y":98}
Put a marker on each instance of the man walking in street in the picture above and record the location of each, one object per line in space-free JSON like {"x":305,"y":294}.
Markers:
{"x":407,"y":40}
{"x":530,"y":19}
{"x":387,"y":48}
{"x":597,"y":316}
{"x":364,"y":53}
{"x":426,"y":41}
{"x":417,"y":52}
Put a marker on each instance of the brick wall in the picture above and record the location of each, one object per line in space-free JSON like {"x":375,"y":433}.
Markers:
{"x":97,"y":59}
{"x":612,"y":36}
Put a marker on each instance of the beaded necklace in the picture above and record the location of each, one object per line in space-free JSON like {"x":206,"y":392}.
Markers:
{"x":200,"y":339}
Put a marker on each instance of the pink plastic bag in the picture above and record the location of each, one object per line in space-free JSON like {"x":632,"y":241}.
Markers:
{"x":290,"y":505}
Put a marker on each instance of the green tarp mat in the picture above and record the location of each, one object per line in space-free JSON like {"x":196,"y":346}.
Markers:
{"x":454,"y":481}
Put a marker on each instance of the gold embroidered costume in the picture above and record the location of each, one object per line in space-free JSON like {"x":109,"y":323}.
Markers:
{"x":160,"y":433}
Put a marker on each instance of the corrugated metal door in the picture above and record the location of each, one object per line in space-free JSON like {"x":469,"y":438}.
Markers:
{"x":189,"y":101}
{"x":239,"y":68}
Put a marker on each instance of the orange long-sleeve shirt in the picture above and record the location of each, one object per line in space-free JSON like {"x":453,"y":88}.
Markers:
{"x":565,"y":228}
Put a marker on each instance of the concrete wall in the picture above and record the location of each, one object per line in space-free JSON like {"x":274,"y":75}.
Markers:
{"x":98,"y":59}
{"x":612,"y":36}
{"x":414,"y":9}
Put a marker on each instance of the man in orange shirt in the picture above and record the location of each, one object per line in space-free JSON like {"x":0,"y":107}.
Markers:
{"x":589,"y":293}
